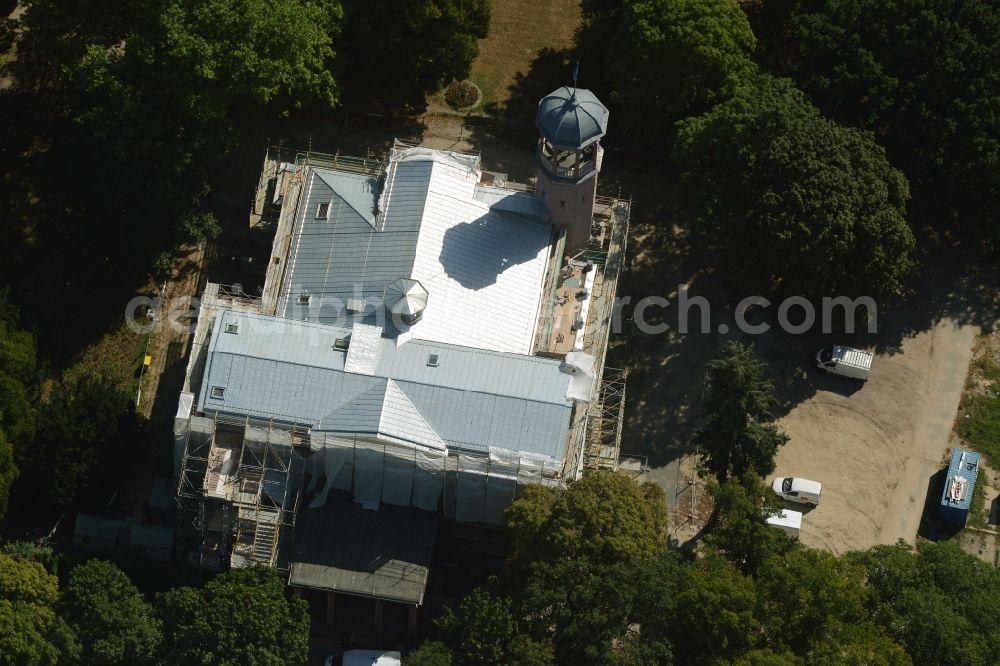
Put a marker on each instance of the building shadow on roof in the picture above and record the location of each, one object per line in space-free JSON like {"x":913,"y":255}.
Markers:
{"x":474,"y":254}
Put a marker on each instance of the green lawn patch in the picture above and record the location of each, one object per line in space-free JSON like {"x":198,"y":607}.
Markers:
{"x":979,"y":414}
{"x":519,"y":30}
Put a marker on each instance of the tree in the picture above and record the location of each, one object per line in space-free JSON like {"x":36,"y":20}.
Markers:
{"x":737,"y":436}
{"x":584,"y":607}
{"x":675,"y":58}
{"x":802,"y":591}
{"x":398,"y":51}
{"x":154,"y":93}
{"x":740,"y":529}
{"x":481,"y":632}
{"x":713,"y":616}
{"x":17,"y":369}
{"x":939,"y":603}
{"x":111,"y":616}
{"x":484,"y":632}
{"x":865,"y":643}
{"x":430,"y":653}
{"x":239,"y":617}
{"x":31,"y":633}
{"x":790,"y":200}
{"x":604,"y":517}
{"x":8,"y":473}
{"x":29,"y":550}
{"x":921,"y":74}
{"x":77,"y":428}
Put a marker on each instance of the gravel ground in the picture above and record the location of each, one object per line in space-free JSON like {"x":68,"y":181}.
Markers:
{"x":875,"y":449}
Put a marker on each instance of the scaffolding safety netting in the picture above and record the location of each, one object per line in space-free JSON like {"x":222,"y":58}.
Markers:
{"x":477,"y":486}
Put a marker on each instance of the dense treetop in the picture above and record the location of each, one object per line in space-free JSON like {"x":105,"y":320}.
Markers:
{"x":924,"y":75}
{"x":239,"y":617}
{"x":673,"y":58}
{"x":31,"y":631}
{"x":737,"y":434}
{"x":792,"y":200}
{"x":114,"y":622}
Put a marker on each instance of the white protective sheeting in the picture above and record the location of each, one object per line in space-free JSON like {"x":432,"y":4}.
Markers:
{"x":470,"y":492}
{"x":184,"y":405}
{"x":368,"y":465}
{"x":397,"y":479}
{"x":428,"y":479}
{"x":580,"y":368}
{"x":337,"y":456}
{"x":501,"y":486}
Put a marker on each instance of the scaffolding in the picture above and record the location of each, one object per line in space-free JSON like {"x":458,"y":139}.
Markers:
{"x":266,"y":498}
{"x":595,"y":430}
{"x":203,"y":519}
{"x":238,"y":493}
{"x":604,"y":422}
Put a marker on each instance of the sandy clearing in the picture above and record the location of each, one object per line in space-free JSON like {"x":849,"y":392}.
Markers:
{"x":875,"y":449}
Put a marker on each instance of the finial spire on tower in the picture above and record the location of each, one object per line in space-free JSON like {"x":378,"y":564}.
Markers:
{"x":576,"y":75}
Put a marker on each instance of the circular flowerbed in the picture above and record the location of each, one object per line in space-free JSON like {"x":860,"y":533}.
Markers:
{"x":462,"y":95}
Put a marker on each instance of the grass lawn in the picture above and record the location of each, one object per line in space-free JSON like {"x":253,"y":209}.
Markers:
{"x":979,"y":414}
{"x":519,"y":30}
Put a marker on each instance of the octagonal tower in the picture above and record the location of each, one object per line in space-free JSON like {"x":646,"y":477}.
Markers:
{"x":571,"y":122}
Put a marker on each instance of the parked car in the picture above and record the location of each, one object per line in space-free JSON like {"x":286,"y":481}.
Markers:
{"x":794,"y":489}
{"x":845,"y":361}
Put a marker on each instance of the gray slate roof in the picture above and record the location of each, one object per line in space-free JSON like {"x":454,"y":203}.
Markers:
{"x":480,"y":253}
{"x":473,"y":399}
{"x":571,"y":117}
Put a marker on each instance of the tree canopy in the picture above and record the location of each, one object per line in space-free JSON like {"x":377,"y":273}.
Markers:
{"x":239,"y":617}
{"x":115,"y":624}
{"x":788,"y":199}
{"x":603,"y":516}
{"x":791,"y":200}
{"x":17,"y":370}
{"x":398,"y":51}
{"x":31,"y":631}
{"x":673,"y":58}
{"x":922,"y":75}
{"x":737,"y":435}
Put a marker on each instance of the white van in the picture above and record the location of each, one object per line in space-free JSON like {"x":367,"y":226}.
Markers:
{"x":845,"y":361}
{"x":798,"y":490}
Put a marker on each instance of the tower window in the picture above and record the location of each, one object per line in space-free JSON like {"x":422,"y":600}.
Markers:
{"x":562,"y":203}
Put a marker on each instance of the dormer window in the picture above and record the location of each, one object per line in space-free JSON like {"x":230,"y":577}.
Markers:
{"x":232,"y":328}
{"x":218,"y":393}
{"x":433,"y":360}
{"x":323,"y":210}
{"x":304,"y":298}
{"x":341,"y":344}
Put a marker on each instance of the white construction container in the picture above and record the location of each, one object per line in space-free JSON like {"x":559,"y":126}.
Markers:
{"x":787,"y":521}
{"x":845,"y":361}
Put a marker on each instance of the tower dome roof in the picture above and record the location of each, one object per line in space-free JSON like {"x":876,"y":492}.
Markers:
{"x":571,"y":117}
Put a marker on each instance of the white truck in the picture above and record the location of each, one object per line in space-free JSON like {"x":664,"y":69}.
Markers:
{"x":788,"y":521}
{"x":845,"y":361}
